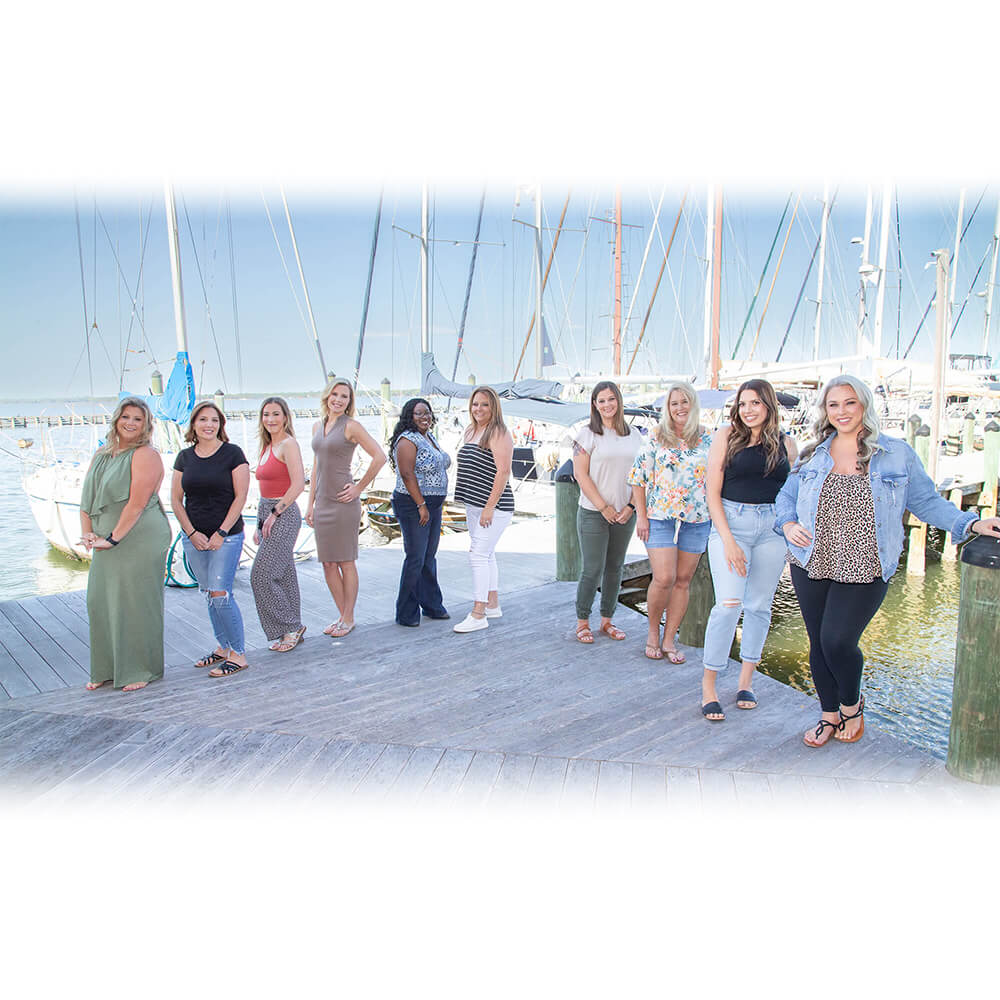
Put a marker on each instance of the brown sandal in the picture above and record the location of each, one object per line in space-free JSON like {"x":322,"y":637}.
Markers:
{"x":612,"y":630}
{"x":656,"y":654}
{"x":584,"y":635}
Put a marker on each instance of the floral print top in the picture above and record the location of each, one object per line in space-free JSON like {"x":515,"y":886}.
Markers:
{"x":674,"y":479}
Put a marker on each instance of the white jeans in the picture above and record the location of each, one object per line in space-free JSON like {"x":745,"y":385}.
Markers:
{"x":482,"y":542}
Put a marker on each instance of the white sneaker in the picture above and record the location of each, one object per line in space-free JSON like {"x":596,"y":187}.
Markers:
{"x":494,"y":612}
{"x":471,"y":624}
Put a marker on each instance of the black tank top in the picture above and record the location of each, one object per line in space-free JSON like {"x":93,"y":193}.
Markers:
{"x":744,"y":480}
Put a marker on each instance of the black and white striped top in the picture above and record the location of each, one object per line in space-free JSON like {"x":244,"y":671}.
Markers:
{"x":476,"y":470}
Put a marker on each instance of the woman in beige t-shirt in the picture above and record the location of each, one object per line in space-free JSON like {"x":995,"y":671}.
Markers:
{"x":603,"y":453}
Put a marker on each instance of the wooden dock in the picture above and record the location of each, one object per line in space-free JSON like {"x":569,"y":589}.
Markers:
{"x":520,"y":713}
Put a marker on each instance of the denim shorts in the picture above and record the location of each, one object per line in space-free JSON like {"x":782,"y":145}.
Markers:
{"x":691,"y":536}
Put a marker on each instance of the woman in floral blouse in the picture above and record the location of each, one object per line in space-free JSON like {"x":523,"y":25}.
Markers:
{"x":668,"y":490}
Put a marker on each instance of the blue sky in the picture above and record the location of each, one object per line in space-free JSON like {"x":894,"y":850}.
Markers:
{"x":42,"y":311}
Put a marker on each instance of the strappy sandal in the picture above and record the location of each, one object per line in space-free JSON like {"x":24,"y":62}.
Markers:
{"x":675,"y":655}
{"x":612,"y":630}
{"x":859,"y":714}
{"x":656,"y":654}
{"x":210,"y":660}
{"x":339,"y":630}
{"x":584,"y":635}
{"x":286,"y":645}
{"x":818,"y":732}
{"x":228,"y":668}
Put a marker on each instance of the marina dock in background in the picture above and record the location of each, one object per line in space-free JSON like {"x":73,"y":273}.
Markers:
{"x":520,"y":713}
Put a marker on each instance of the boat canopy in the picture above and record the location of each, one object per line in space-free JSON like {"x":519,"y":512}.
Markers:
{"x":528,"y":399}
{"x":177,"y":400}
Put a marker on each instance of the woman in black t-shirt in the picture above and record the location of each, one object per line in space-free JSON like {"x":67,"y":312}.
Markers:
{"x":209,"y":490}
{"x":747,"y":466}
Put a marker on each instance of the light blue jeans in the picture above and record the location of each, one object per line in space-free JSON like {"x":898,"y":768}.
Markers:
{"x":216,"y":570}
{"x":752,"y":525}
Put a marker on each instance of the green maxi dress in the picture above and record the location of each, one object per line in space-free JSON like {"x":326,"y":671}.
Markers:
{"x":125,"y":583}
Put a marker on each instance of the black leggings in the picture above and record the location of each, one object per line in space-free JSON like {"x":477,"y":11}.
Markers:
{"x":835,"y":615}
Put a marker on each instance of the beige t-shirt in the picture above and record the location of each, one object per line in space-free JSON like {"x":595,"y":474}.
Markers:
{"x":611,"y":458}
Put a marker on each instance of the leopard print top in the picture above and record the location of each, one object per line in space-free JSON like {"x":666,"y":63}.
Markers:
{"x":846,"y":548}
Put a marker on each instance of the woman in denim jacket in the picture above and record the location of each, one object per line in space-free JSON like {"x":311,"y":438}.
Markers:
{"x":841,"y":512}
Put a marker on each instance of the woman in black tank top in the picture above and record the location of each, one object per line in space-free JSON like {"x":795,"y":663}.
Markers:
{"x":747,"y":466}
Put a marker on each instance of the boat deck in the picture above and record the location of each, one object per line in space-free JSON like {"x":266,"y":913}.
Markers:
{"x":517,"y":713}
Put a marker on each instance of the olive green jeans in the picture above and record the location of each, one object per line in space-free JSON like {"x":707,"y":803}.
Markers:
{"x":603,"y":548}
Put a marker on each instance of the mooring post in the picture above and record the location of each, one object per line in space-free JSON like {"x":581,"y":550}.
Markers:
{"x":969,"y":434}
{"x":949,"y":550}
{"x":220,"y":400}
{"x":702,"y":598}
{"x":569,"y":561}
{"x":912,"y":423}
{"x":974,"y":738}
{"x":991,"y":468}
{"x":386,"y":403}
{"x":916,"y":550}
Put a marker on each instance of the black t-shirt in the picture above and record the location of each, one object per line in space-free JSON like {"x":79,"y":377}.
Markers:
{"x":208,"y":486}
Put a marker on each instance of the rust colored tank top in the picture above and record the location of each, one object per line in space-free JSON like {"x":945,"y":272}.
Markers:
{"x":273,"y":477}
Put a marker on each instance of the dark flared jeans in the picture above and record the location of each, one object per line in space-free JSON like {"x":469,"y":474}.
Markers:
{"x":418,"y":586}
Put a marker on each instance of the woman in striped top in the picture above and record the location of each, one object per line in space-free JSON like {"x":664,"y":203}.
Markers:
{"x":484,"y":460}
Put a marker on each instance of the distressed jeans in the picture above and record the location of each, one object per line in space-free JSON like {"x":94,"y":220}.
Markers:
{"x":216,"y":570}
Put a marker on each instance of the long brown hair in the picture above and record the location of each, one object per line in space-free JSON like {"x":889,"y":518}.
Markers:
{"x":263,"y":434}
{"x":596,"y":423}
{"x":324,"y":400}
{"x":112,"y":443}
{"x":191,"y":436}
{"x":496,"y":426}
{"x":740,"y":435}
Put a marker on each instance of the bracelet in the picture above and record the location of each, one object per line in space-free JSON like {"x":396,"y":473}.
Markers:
{"x":630,"y":504}
{"x":423,"y":503}
{"x":274,"y":511}
{"x":193,"y":530}
{"x":108,"y":538}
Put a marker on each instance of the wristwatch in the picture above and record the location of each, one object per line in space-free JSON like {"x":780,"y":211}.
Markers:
{"x":222,"y":532}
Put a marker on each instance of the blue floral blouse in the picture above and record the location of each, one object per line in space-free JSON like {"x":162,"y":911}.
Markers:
{"x":674,"y":479}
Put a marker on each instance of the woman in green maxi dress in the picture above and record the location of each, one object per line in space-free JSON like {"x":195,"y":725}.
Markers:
{"x":123,"y":524}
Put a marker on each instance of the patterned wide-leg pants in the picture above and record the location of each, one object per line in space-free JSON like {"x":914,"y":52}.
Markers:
{"x":273,"y":578}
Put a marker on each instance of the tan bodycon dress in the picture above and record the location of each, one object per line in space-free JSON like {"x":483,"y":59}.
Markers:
{"x":336,"y":524}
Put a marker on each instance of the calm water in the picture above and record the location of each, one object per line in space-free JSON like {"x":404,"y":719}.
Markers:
{"x":909,"y":647}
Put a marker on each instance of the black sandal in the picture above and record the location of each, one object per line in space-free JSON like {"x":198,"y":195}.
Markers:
{"x":228,"y":668}
{"x":210,"y":659}
{"x":818,"y":732}
{"x":713,"y":708}
{"x":859,"y":714}
{"x":746,"y":695}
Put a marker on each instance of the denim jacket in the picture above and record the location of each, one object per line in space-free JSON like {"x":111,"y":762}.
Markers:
{"x":899,"y":483}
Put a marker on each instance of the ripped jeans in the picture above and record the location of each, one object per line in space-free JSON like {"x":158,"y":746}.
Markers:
{"x":215,"y":571}
{"x":752,"y":526}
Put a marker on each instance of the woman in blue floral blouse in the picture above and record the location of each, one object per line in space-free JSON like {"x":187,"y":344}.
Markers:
{"x":668,"y":490}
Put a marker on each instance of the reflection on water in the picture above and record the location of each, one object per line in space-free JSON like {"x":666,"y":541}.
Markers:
{"x":909,"y":652}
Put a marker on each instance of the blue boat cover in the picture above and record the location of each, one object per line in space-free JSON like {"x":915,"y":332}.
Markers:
{"x":178,"y":397}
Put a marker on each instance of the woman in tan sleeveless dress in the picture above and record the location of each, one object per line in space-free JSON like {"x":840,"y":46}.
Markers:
{"x":334,"y":509}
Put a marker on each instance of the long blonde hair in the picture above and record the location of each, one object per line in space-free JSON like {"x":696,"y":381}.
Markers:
{"x":112,"y":443}
{"x":324,"y":400}
{"x":496,"y":426}
{"x":263,"y":434}
{"x":691,"y":432}
{"x":823,"y":429}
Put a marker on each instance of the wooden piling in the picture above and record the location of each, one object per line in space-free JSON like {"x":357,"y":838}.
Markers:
{"x":702,"y":599}
{"x":569,"y":560}
{"x":386,"y":403}
{"x":991,"y":467}
{"x":969,"y":434}
{"x":974,"y":738}
{"x":949,"y":550}
{"x":916,"y":550}
{"x":912,"y":423}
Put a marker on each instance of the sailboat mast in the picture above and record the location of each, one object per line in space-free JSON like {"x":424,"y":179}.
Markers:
{"x":540,"y":332}
{"x":954,"y":264}
{"x":991,"y":282}
{"x":883,"y":250}
{"x":305,"y":288}
{"x":425,"y":330}
{"x":175,"y":270}
{"x":716,"y":288}
{"x":822,"y":269}
{"x":864,"y":271}
{"x":616,"y":331}
{"x":709,"y":247}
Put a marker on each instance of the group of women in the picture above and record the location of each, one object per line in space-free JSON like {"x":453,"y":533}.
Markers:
{"x":124,"y":526}
{"x":833,"y":512}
